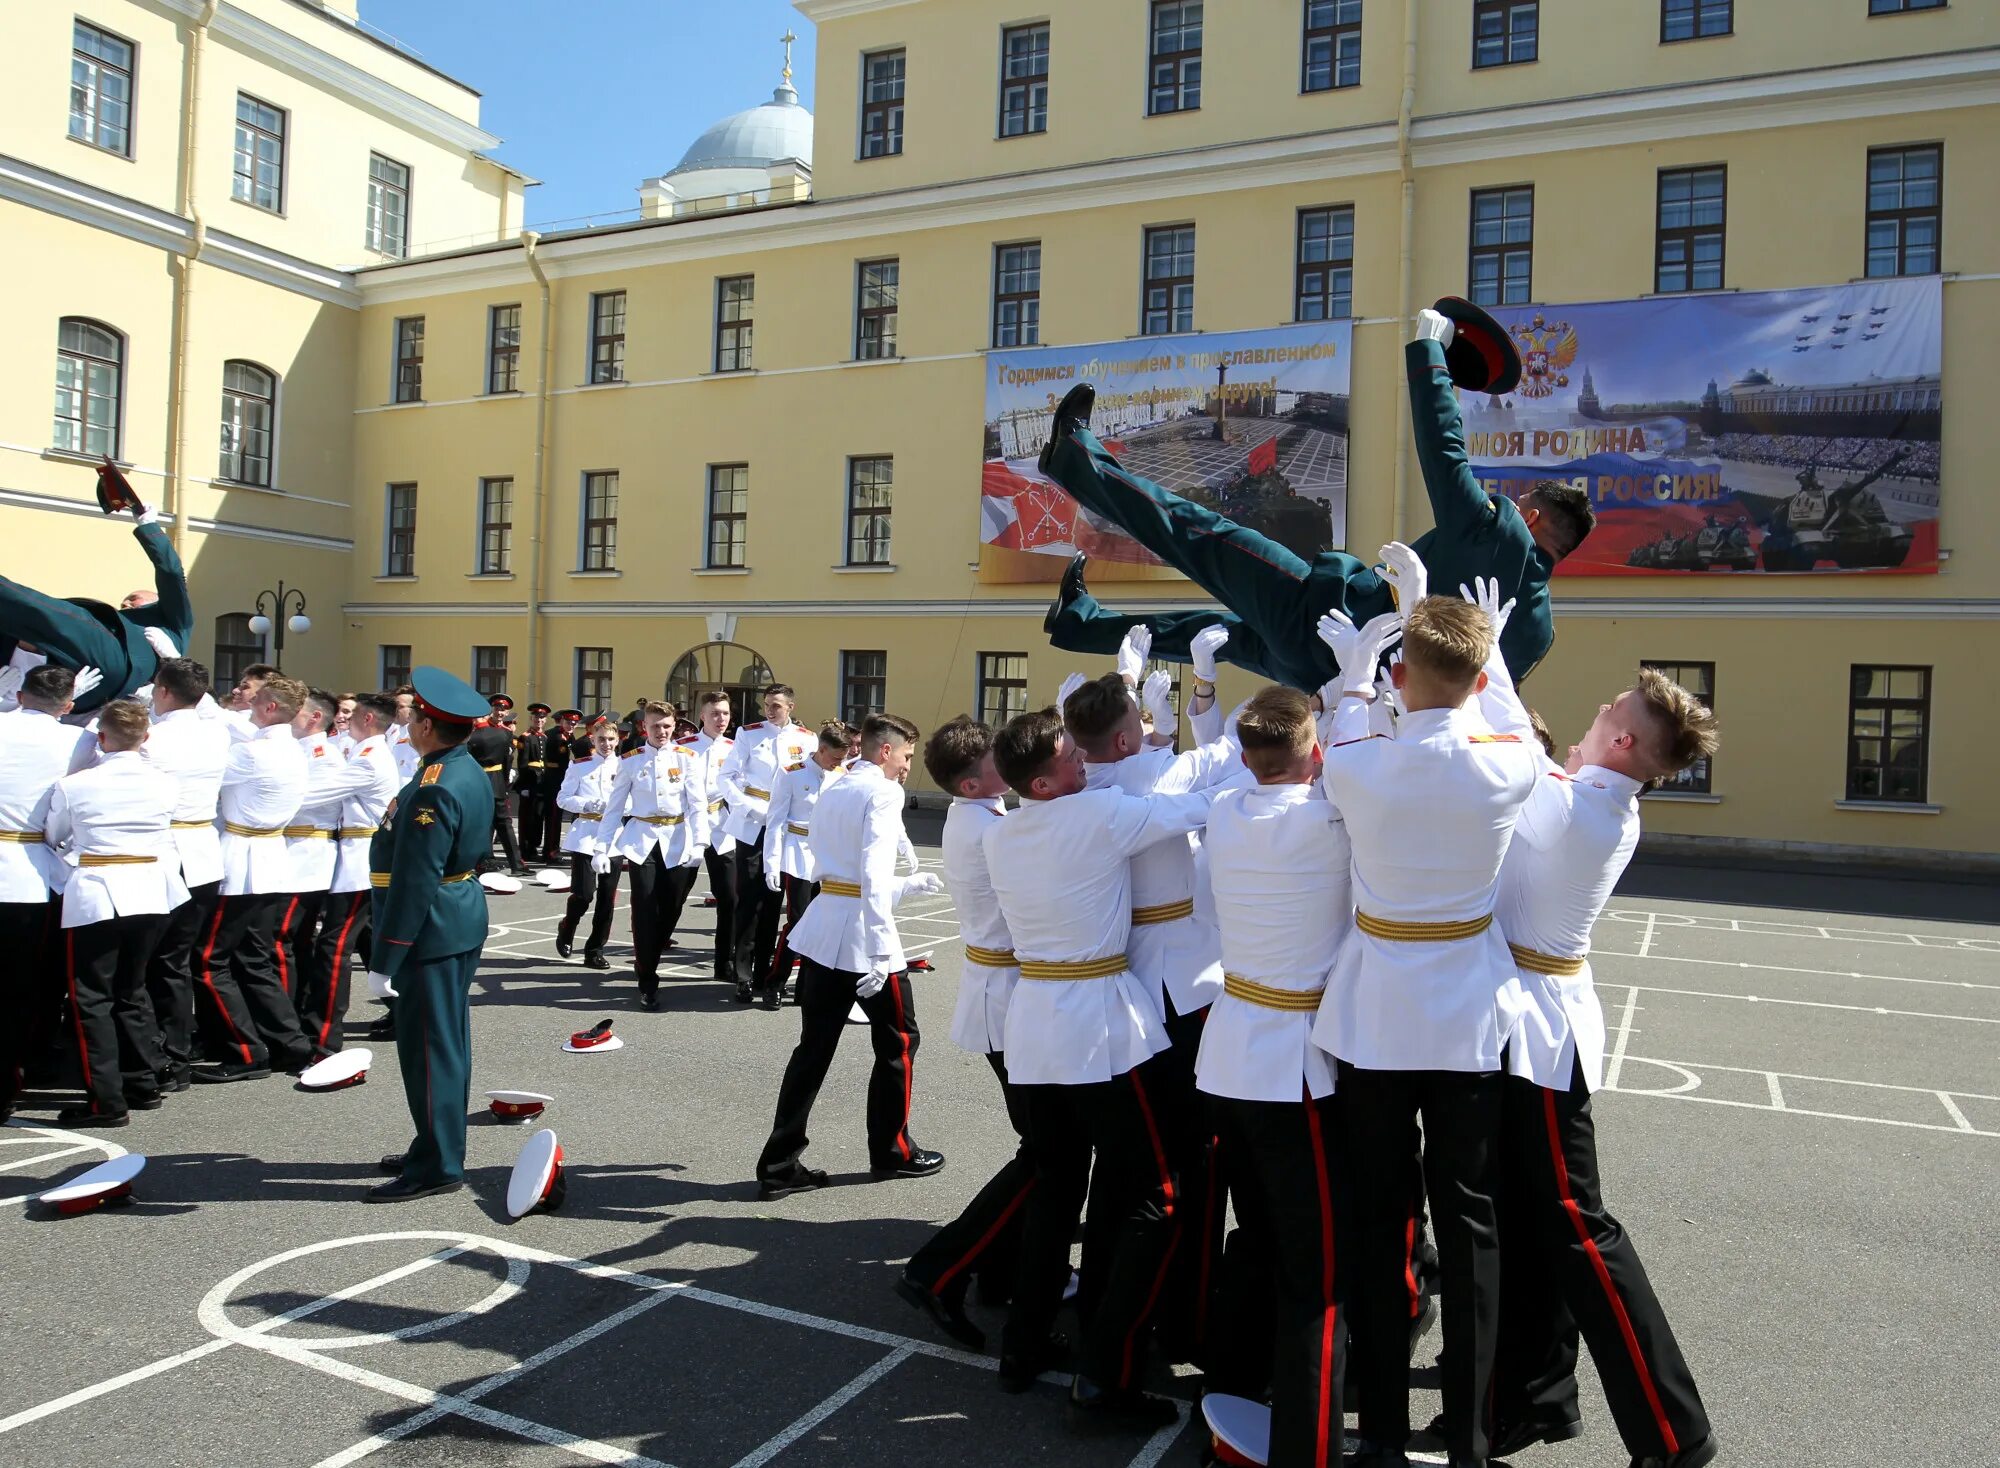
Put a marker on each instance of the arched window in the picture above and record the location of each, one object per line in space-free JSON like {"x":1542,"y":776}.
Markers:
{"x":249,"y":416}
{"x":90,"y":380}
{"x":727,"y":667}
{"x":236,"y":648}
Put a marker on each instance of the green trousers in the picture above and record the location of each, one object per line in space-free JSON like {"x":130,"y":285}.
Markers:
{"x":434,"y":1049}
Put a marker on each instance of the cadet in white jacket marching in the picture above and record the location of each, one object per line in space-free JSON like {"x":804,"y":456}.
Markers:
{"x":586,"y":793}
{"x":790,"y":873}
{"x":763,"y":750}
{"x":656,"y":820}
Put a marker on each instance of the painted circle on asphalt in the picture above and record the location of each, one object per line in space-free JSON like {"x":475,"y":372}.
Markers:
{"x":23,"y":1145}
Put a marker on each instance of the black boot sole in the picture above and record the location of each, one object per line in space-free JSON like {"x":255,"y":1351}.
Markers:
{"x":954,"y":1325}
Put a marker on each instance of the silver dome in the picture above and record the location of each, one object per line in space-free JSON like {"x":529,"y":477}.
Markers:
{"x":754,"y":138}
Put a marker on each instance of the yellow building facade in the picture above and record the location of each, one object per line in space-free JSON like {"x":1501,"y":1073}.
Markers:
{"x":618,"y":497}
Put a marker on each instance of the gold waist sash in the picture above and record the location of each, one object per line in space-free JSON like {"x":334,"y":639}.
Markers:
{"x":662,"y":820}
{"x":1395,"y":931}
{"x":381,"y":879}
{"x":192,"y":825}
{"x":356,"y":833}
{"x":235,"y":830}
{"x":989,"y":957}
{"x":115,"y":861}
{"x":307,"y":833}
{"x":1165,"y":912}
{"x":796,"y":829}
{"x":753,"y":790}
{"x":1080,"y":968}
{"x":22,"y":838}
{"x":837,"y":887}
{"x":1538,"y":962}
{"x":1264,"y":996}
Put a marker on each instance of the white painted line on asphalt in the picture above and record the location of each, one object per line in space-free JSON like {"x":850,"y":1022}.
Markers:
{"x":1779,"y":968}
{"x":57,"y":1156}
{"x":757,"y":1457}
{"x":1777,"y":1091}
{"x":1646,"y":943}
{"x":32,"y":1134}
{"x":1761,"y":927}
{"x":1157,"y":1445}
{"x":1617,"y":1062}
{"x":1689,"y":1072}
{"x":1956,"y":1115}
{"x":1962,"y":1019}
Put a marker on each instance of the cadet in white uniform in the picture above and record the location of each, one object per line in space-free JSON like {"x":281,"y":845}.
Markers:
{"x":1423,"y":1000}
{"x":311,"y":840}
{"x":190,"y":741}
{"x":763,"y":750}
{"x":407,"y":758}
{"x":586,"y":791}
{"x":112,"y":826}
{"x":710,"y":746}
{"x":853,"y":954}
{"x":656,"y":820}
{"x":36,"y":750}
{"x":364,"y":785}
{"x":789,"y":873}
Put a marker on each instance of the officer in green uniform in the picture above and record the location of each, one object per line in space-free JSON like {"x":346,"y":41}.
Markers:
{"x":1276,"y":598}
{"x":430,"y":923}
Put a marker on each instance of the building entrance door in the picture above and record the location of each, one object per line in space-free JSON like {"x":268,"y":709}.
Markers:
{"x":730,"y":667}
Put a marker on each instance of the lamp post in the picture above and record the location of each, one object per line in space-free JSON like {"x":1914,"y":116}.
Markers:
{"x":273,"y":622}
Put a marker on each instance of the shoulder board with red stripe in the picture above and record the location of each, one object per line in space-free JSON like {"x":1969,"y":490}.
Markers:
{"x":431,"y":774}
{"x":758,"y":725}
{"x":1557,"y":775}
{"x":1362,"y":740}
{"x":799,"y":766}
{"x":635,"y":753}
{"x":1494,"y":738}
{"x":688,"y":739}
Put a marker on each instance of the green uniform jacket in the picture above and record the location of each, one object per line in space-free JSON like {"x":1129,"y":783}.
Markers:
{"x":443,"y":826}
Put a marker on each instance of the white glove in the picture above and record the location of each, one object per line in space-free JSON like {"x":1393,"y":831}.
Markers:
{"x":1358,"y":649}
{"x":87,"y":678}
{"x":923,"y":884}
{"x":1157,"y":698}
{"x":161,"y":643}
{"x":693,"y":858}
{"x":1133,"y":652}
{"x":380,"y":985}
{"x":1069,"y":685}
{"x":1202,"y":649}
{"x":1405,"y":574}
{"x":143,"y":695}
{"x":773,"y":878}
{"x":874,"y":981}
{"x":1432,"y":326}
{"x":1484,"y":593}
{"x":146,"y":516}
{"x":600,"y":863}
{"x":1386,"y":684}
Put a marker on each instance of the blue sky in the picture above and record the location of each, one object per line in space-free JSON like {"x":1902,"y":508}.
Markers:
{"x":594,"y":95}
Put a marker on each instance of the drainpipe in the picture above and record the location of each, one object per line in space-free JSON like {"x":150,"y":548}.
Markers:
{"x":184,"y":288}
{"x":1405,"y":264}
{"x":529,"y":240}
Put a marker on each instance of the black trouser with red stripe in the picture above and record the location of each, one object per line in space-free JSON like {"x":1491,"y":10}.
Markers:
{"x":1189,"y":1129}
{"x":170,"y":980}
{"x":1461,"y":1113}
{"x":1569,"y":1264}
{"x":754,"y":932}
{"x":1282,"y":1174}
{"x":985,"y":1238}
{"x":27,"y":993}
{"x":110,"y":1013}
{"x":236,"y":975}
{"x":825,"y":997}
{"x":1134,"y":1195}
{"x":343,"y":922}
{"x":659,"y":892}
{"x":798,"y":896}
{"x":292,"y":943}
{"x":584,"y":884}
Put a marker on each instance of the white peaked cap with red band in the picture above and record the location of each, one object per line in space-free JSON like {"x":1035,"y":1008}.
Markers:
{"x":498,"y":885}
{"x":338,"y":1071}
{"x":517,"y":1106}
{"x":538,"y":1182}
{"x":597,"y":1037}
{"x":106,"y":1183}
{"x":556,"y":879}
{"x":1241,"y":1429}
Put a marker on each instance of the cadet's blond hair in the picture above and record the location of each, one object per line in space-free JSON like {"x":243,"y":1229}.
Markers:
{"x":124,"y":721}
{"x":288,"y":693}
{"x":1542,"y":734}
{"x":1275,"y":730}
{"x":1448,"y":639}
{"x":1683,"y":727}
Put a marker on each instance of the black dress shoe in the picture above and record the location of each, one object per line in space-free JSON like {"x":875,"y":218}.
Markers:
{"x":150,"y":1101}
{"x":402,"y":1191}
{"x":90,"y":1117}
{"x":1020,"y":1369}
{"x":1422,"y":1322}
{"x":1696,"y":1456}
{"x":565,"y":943}
{"x":1510,"y":1438}
{"x":383,"y":1029}
{"x":1072,"y":412}
{"x":174,"y":1079}
{"x":797,"y":1179}
{"x":650,"y":999}
{"x":520,"y":871}
{"x":595,"y":960}
{"x":392,"y":1164}
{"x":922,"y":1162}
{"x":772,"y":998}
{"x":1072,"y":587}
{"x":948,"y":1315}
{"x":1089,"y":1402}
{"x":744,"y":993}
{"x":222,"y":1075}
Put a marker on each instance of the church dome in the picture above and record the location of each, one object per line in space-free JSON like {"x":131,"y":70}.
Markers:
{"x":755,"y":138}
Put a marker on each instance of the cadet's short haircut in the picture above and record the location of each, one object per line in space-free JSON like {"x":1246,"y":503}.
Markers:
{"x":835,"y":735}
{"x":381,"y":705}
{"x":784,"y":690}
{"x":1094,"y":712}
{"x":1448,"y":639}
{"x":1025,"y":746}
{"x":290,"y":694}
{"x":955,"y":752}
{"x":403,"y":690}
{"x":122,"y":724}
{"x":326,"y":703}
{"x":1684,"y":728}
{"x":878,"y":729}
{"x":48,"y":687}
{"x":654,"y":709}
{"x":1276,"y":730}
{"x":184,"y":678}
{"x":344,"y":697}
{"x":1542,"y":734}
{"x":1568,"y":510}
{"x":713,"y":696}
{"x":258,"y":670}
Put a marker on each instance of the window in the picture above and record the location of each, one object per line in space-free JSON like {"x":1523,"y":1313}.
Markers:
{"x":1174,"y":52}
{"x":1888,"y":738}
{"x":864,"y":681}
{"x":1689,"y":243}
{"x":1168,"y":303}
{"x":503,"y":349}
{"x":100,"y":90}
{"x":1003,"y":687}
{"x":249,"y":411}
{"x":868,"y":488}
{"x":489,"y":670}
{"x":882,"y":104}
{"x":1698,"y":679}
{"x":735,"y":313}
{"x":1905,"y":209}
{"x":1024,"y":80}
{"x":496,"y":526}
{"x":1503,"y":246}
{"x":396,"y":663}
{"x":409,"y":359}
{"x":1691,"y":20}
{"x":599,"y":541}
{"x":388,"y":206}
{"x":1897,"y":7}
{"x":1323,"y":285}
{"x":1504,"y":31}
{"x":400,"y":558}
{"x":607,"y":336}
{"x":593,"y":679}
{"x":1017,"y":295}
{"x":875,"y":309}
{"x":260,"y":154}
{"x":728,"y":514}
{"x":1333,"y":45}
{"x":90,"y":383}
{"x":236,"y":647}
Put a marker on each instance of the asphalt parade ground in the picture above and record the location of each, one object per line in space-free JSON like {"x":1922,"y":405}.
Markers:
{"x":1801,"y":1129}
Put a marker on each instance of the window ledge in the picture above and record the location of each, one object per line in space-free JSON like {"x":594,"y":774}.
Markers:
{"x":248,"y":204}
{"x":505,"y":392}
{"x":615,"y":382}
{"x":222,"y":481}
{"x":1894,"y":807}
{"x":489,"y":575}
{"x":410,"y":577}
{"x":873,"y":569}
{"x":77,"y":456}
{"x":888,"y":361}
{"x":1683,"y":797}
{"x":97,"y":147}
{"x":598,"y":575}
{"x":729,"y":372}
{"x":412,"y":403}
{"x":720,"y":571}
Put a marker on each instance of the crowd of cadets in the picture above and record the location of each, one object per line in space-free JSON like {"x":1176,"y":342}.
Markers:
{"x":1328,"y":963}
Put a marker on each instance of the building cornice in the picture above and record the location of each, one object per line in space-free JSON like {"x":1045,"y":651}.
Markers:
{"x":55,"y":505}
{"x":819,"y":12}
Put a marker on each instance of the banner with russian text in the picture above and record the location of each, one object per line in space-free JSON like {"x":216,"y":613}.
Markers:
{"x":1252,"y":424}
{"x":1756,"y":431}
